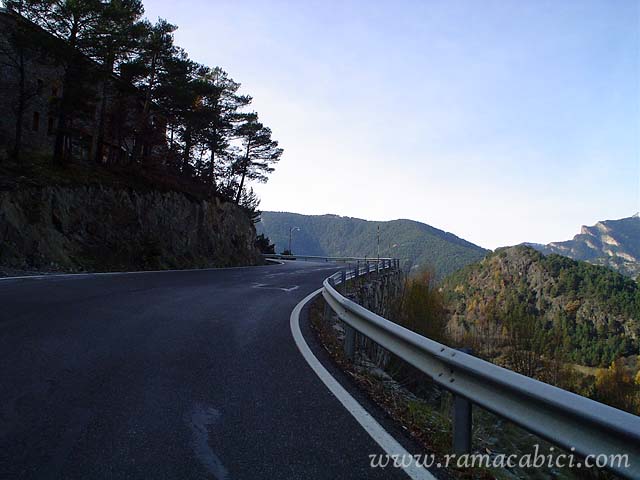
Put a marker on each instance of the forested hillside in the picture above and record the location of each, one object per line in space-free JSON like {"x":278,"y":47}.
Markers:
{"x":551,"y":305}
{"x":418,"y":245}
{"x":612,"y":243}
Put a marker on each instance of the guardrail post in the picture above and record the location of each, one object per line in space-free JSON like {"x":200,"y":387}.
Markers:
{"x":349,"y":341}
{"x":462,"y":421}
{"x":367,"y":268}
{"x":356,"y":271}
{"x":326,"y":312}
{"x":343,"y":280}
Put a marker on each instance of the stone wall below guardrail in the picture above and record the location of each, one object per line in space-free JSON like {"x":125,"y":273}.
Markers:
{"x":378,"y":292}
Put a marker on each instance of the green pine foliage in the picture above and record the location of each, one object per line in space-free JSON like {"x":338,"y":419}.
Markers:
{"x":264,"y":245}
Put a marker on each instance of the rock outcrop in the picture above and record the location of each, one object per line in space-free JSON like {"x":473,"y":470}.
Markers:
{"x":611,"y":243}
{"x":94,"y":228}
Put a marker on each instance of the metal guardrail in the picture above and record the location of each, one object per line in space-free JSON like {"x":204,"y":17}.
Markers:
{"x":357,"y":260}
{"x":573,"y":422}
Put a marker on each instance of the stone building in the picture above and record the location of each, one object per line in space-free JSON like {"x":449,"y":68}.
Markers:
{"x":32,"y":67}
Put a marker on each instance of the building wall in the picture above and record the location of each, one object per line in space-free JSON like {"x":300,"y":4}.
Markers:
{"x":43,"y":82}
{"x":42,"y":89}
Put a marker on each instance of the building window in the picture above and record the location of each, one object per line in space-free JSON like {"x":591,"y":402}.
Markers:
{"x":36,"y":121}
{"x":50,"y":126}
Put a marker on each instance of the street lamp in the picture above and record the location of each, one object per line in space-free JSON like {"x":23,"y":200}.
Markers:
{"x":291,"y":230}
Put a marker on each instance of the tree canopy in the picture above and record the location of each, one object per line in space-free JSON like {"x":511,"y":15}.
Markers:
{"x":211,"y":140}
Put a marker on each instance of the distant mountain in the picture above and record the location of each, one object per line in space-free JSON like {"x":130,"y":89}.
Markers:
{"x":417,"y":244}
{"x":612,"y":243}
{"x":561,"y":307}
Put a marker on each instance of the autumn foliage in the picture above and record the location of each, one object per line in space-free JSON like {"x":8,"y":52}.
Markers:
{"x":422,"y":307}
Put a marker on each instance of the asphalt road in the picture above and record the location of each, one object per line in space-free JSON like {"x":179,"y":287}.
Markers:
{"x":173,"y":375}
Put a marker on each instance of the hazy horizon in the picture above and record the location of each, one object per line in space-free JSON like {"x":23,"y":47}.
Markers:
{"x":501,"y":122}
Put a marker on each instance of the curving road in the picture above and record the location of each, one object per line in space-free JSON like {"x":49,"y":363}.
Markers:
{"x":176,"y":375}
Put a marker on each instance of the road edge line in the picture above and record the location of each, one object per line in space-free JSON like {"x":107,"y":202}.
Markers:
{"x":134,"y":272}
{"x":383,"y":438}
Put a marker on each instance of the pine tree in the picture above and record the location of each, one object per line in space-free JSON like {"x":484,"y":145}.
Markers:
{"x":117,"y":35}
{"x":155,"y":52}
{"x":259,"y":153}
{"x":223,"y":105}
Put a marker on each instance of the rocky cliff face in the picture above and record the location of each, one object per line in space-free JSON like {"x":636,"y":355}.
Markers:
{"x":611,"y":243}
{"x":92,"y":228}
{"x":378,"y":293}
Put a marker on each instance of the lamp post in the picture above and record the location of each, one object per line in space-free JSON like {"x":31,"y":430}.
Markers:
{"x":291,"y":230}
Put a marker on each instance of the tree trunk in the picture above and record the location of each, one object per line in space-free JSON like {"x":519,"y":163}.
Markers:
{"x":212,"y":164}
{"x":245,"y":167}
{"x":59,"y":149}
{"x":239,"y":194}
{"x":97,"y":144}
{"x":120,"y":117}
{"x":212,"y":167}
{"x":186,"y":155}
{"x":142,"y":123}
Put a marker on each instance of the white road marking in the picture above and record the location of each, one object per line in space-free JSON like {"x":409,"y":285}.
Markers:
{"x":139,"y":272}
{"x":268,"y":287}
{"x":298,"y":272}
{"x":277,"y":262}
{"x":386,"y":441}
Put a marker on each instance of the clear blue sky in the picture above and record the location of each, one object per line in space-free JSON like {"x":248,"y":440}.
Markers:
{"x":500,"y":121}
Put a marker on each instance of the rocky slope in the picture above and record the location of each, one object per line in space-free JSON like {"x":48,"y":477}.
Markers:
{"x":93,"y":228}
{"x":419,"y":245}
{"x":589,"y":313}
{"x":612,"y":243}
